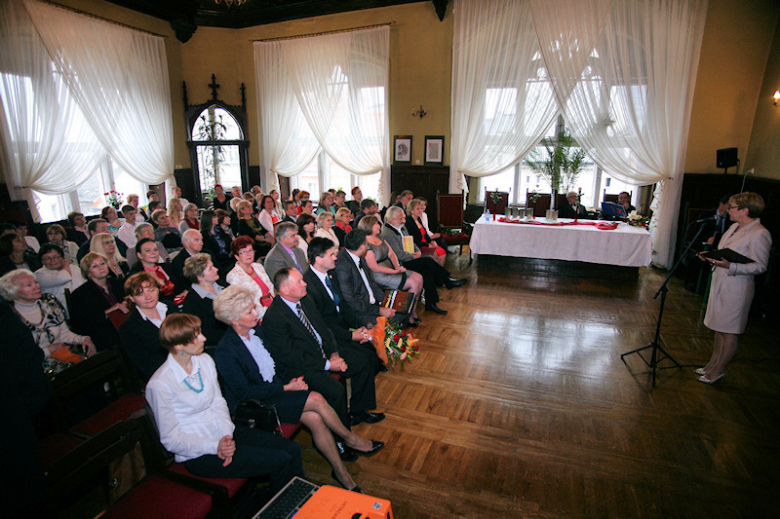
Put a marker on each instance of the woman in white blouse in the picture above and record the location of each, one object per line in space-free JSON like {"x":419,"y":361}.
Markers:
{"x":249,"y":274}
{"x":41,"y":313}
{"x":193,"y":418}
{"x":325,"y":228}
{"x":267,"y":216}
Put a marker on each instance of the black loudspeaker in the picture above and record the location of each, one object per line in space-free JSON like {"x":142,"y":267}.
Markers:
{"x":727,"y":157}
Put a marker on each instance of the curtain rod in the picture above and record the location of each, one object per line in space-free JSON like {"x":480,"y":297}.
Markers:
{"x":323,"y":33}
{"x":112,"y":22}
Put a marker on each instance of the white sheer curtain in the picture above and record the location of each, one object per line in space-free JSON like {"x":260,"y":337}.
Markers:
{"x":623,"y":74}
{"x":502,"y":101}
{"x":119,"y":78}
{"x":340,"y":84}
{"x":47,"y":146}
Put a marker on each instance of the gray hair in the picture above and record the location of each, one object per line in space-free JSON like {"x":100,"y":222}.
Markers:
{"x":195,"y":266}
{"x":413,"y":205}
{"x":322,"y":216}
{"x":9,"y":290}
{"x":285,"y":227}
{"x":188,"y":234}
{"x":140,"y":228}
{"x":231,"y":303}
{"x":392,"y":212}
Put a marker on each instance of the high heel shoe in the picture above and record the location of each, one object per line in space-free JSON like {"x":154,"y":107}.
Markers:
{"x":700,"y":371}
{"x":355,"y":489}
{"x":376,"y":446}
{"x":706,"y":380}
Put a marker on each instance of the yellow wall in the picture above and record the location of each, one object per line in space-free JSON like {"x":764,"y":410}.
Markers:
{"x":735,"y":47}
{"x":730,"y":81}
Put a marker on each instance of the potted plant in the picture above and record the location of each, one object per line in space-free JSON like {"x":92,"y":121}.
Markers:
{"x":560,"y":163}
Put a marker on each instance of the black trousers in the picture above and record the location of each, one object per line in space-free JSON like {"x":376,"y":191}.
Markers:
{"x":432,"y":273}
{"x":258,"y":453}
{"x":362,"y":378}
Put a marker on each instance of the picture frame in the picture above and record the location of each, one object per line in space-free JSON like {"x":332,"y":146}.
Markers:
{"x":402,"y":149}
{"x":434,"y":149}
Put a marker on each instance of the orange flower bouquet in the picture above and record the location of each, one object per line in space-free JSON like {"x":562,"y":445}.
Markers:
{"x":392,"y":344}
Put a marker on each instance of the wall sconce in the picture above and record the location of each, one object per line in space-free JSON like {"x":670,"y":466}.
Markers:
{"x":422,"y":113}
{"x":777,"y":98}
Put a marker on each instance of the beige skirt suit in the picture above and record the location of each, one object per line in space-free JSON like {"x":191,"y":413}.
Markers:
{"x":732,"y":289}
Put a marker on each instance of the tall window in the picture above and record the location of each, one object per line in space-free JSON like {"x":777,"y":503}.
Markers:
{"x":217,"y":163}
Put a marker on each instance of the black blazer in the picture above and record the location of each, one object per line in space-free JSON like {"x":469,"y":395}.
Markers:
{"x":141,"y":342}
{"x":565,"y":211}
{"x":238,"y":369}
{"x":318,"y":294}
{"x":290,"y":343}
{"x":414,"y":232}
{"x":203,"y":308}
{"x":356,"y":308}
{"x":77,"y":237}
{"x":88,"y":313}
{"x":224,"y":262}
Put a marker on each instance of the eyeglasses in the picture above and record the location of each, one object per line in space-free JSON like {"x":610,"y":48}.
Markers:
{"x":733,"y":207}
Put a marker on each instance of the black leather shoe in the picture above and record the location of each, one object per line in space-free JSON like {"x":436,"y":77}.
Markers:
{"x":356,"y":488}
{"x":383,"y":369}
{"x":375,"y":447}
{"x":345,"y":453}
{"x":414,"y":324}
{"x":435,"y":309}
{"x":366,"y":417}
{"x":453,"y":283}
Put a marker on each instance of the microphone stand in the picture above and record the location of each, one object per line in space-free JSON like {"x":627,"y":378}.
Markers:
{"x":658,"y":354}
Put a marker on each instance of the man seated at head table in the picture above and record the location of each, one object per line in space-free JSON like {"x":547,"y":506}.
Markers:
{"x":572,"y":208}
{"x":299,"y":339}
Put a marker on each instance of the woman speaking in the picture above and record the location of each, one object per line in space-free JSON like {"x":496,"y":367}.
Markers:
{"x":732,"y":286}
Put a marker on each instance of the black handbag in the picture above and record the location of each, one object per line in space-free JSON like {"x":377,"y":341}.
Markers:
{"x":256,"y":415}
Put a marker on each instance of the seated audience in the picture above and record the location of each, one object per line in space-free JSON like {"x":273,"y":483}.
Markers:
{"x":367,"y":207}
{"x":322,"y":288}
{"x":225,"y":223}
{"x":192,"y":242}
{"x":109,"y":214}
{"x":248,"y":225}
{"x":148,"y":261}
{"x":190,"y":220}
{"x":286,"y":252}
{"x":145,"y":230}
{"x":56,"y":235}
{"x":342,"y":224}
{"x":249,"y":372}
{"x":203,"y":276}
{"x":134,"y":201}
{"x":424,"y":241}
{"x":77,"y":232}
{"x":14,"y":254}
{"x":268,"y":216}
{"x":572,"y":208}
{"x":326,"y":204}
{"x":424,"y":219}
{"x":386,"y":269}
{"x":176,"y":211}
{"x":127,"y":232}
{"x":216,"y":241}
{"x":404,"y":197}
{"x":300,"y":341}
{"x":22,"y":230}
{"x":357,"y":198}
{"x":290,"y":211}
{"x":362,"y":298}
{"x":193,"y":418}
{"x":106,"y":245}
{"x":176,"y":193}
{"x":57,"y":275}
{"x":165,"y":232}
{"x":307,"y":224}
{"x":325,"y":228}
{"x":249,"y":274}
{"x":43,"y":315}
{"x":220,"y":200}
{"x":91,"y":303}
{"x":432,"y":273}
{"x":95,"y":227}
{"x":307,"y":207}
{"x":140,"y":333}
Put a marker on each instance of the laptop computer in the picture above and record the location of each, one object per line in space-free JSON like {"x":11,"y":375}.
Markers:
{"x":288,"y":500}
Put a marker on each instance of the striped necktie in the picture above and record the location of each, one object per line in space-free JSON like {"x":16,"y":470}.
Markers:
{"x":307,"y":324}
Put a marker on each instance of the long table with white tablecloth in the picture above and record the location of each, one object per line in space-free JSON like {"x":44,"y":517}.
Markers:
{"x":624,"y":246}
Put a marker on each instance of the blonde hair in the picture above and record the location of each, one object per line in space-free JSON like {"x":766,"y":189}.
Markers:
{"x":323,"y":216}
{"x":753,"y":201}
{"x":97,"y":242}
{"x":341,"y":212}
{"x":231,"y":302}
{"x":175,"y":211}
{"x":87,"y":260}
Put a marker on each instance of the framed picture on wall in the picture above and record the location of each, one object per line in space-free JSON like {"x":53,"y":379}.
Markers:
{"x":402,"y":149}
{"x":434,"y":149}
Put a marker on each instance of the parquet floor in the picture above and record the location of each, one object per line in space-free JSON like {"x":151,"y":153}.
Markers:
{"x":519,"y":406}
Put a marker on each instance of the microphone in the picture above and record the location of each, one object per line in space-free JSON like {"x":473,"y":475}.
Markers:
{"x":706,"y":220}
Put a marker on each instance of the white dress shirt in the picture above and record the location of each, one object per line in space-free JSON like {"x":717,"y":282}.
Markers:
{"x":190,"y":423}
{"x":126,"y":233}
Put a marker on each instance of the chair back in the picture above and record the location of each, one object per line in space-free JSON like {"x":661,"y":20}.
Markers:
{"x":496,"y":207}
{"x":450,"y":210}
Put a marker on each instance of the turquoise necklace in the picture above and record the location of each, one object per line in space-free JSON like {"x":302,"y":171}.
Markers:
{"x":200,"y":379}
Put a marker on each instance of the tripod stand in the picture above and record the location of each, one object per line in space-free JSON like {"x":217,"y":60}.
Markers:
{"x":659,"y":354}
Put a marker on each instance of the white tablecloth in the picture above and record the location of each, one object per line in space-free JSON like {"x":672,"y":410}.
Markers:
{"x":625,"y":246}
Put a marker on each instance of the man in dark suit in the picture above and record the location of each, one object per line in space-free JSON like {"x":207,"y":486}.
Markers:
{"x":367,"y":207}
{"x":573,"y":208}
{"x":286,"y":252}
{"x":323,"y":289}
{"x":290,"y":211}
{"x":299,"y":339}
{"x":362,"y":297}
{"x":193,"y":244}
{"x":715,"y":230}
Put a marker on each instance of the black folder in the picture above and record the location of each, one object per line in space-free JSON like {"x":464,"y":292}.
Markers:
{"x":730,"y":255}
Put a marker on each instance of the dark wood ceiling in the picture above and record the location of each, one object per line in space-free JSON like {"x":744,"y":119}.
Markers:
{"x":185,"y":16}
